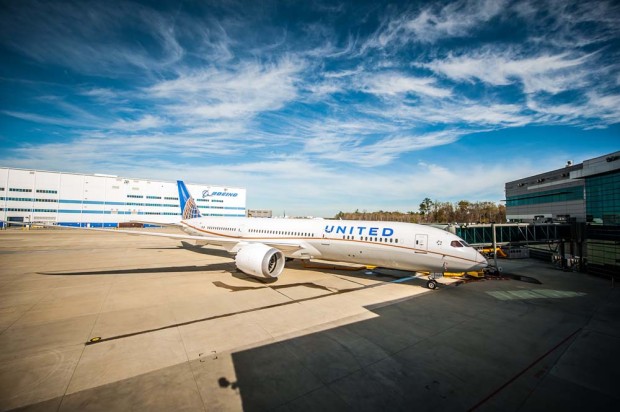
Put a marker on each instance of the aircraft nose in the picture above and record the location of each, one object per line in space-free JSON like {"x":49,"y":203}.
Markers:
{"x":481,"y":261}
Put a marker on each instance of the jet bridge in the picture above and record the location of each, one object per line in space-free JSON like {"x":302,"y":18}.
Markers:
{"x":568,"y":237}
{"x":514,"y":234}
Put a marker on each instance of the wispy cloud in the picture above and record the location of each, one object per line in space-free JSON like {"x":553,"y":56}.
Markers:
{"x":475,"y":115}
{"x":378,"y":152}
{"x":569,"y":24}
{"x":239,"y":92}
{"x":144,"y":123}
{"x":106,"y":96}
{"x":44,"y":119}
{"x":550,"y":73}
{"x":91,"y":39}
{"x":594,"y":110}
{"x":395,"y":83}
{"x":435,"y":22}
{"x":456,"y":19}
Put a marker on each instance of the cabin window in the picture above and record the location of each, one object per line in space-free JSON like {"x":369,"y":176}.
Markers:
{"x":456,"y":243}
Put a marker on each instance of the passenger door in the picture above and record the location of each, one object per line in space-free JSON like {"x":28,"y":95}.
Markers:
{"x":421,"y":243}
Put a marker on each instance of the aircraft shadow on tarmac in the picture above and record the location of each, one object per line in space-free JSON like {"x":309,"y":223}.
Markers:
{"x":203,"y":250}
{"x":226,"y":267}
{"x":193,"y":248}
{"x":311,"y":285}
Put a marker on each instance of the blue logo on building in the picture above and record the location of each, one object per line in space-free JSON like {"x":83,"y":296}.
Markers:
{"x":207,"y":193}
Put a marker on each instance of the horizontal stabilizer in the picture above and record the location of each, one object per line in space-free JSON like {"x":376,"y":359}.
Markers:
{"x":144,"y":222}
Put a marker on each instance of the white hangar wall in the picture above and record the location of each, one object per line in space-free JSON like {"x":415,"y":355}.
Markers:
{"x":97,"y":200}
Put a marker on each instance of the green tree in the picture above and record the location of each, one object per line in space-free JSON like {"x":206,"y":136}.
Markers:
{"x":426,"y":206}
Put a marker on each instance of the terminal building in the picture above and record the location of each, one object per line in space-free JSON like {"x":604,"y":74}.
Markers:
{"x":97,"y":200}
{"x":554,"y":196}
{"x":587,"y":195}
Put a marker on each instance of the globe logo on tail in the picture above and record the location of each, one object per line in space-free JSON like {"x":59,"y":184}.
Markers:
{"x":191,"y":210}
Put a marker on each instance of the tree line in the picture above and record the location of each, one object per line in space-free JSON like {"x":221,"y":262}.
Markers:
{"x":436,"y":211}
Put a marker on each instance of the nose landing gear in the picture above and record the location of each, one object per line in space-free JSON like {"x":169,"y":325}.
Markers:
{"x":433,"y":276}
{"x":432,"y":283}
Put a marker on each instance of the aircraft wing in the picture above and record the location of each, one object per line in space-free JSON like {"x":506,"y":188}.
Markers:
{"x":232,"y":245}
{"x":229,"y":244}
{"x":145,"y":222}
{"x":180,"y":236}
{"x":284,"y":247}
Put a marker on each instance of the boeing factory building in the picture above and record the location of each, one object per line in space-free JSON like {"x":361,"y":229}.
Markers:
{"x":100,"y":200}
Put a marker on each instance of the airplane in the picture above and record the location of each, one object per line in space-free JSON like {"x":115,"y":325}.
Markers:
{"x":261,"y":246}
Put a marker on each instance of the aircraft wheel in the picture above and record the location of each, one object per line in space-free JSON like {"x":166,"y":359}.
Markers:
{"x":431,"y":284}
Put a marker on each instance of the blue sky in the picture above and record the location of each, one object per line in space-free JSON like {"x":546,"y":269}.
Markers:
{"x":316,"y":106}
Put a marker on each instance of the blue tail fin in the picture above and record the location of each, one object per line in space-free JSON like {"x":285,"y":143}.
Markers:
{"x":189,"y":210}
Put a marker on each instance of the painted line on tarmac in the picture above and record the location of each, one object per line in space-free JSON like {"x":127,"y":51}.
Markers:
{"x":99,"y":339}
{"x":402,"y":280}
{"x":518,"y":375}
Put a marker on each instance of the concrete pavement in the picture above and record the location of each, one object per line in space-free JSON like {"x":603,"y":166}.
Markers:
{"x":182,"y":330}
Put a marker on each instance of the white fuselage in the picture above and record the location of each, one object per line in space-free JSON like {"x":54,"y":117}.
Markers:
{"x":405,"y":246}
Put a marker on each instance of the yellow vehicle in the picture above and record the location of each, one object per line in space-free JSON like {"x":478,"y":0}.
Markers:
{"x":488,"y":252}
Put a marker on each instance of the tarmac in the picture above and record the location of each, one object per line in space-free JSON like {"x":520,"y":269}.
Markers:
{"x":92,"y":321}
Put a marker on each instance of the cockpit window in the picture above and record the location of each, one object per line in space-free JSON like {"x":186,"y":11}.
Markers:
{"x":456,"y":243}
{"x":465,"y":243}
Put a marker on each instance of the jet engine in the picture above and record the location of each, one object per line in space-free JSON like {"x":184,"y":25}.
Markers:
{"x":258,"y":259}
